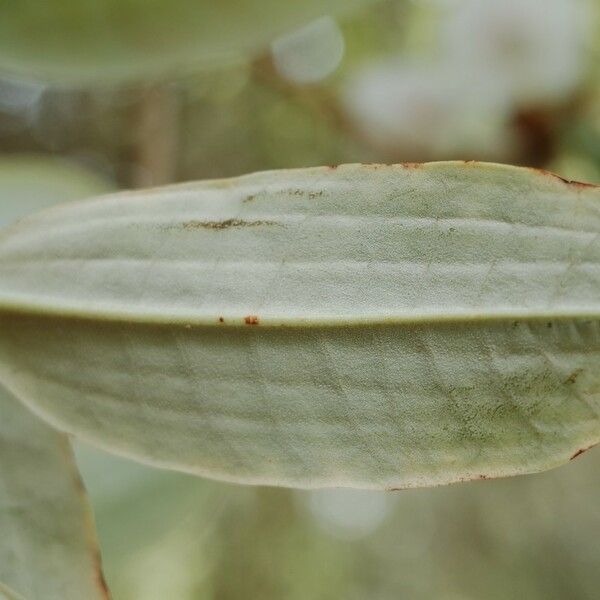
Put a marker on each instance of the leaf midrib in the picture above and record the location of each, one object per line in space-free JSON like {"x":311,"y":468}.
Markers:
{"x":239,"y":320}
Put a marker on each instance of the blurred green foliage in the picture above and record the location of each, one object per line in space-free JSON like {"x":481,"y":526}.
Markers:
{"x":111,"y":40}
{"x":165,"y":534}
{"x":33,"y":182}
{"x":248,"y":117}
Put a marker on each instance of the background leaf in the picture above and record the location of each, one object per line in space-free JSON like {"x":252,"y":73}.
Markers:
{"x":378,"y":327}
{"x":88,"y":40}
{"x":48,"y":545}
{"x":48,"y":548}
{"x":7,"y":594}
{"x":29,"y":183}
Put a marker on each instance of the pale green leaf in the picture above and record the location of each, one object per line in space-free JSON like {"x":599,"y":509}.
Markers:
{"x":47,"y":541}
{"x":91,"y":40}
{"x":8,"y":594}
{"x":29,"y":183}
{"x":368,"y":326}
{"x":48,"y":544}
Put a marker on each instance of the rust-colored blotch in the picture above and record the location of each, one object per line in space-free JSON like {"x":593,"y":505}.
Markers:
{"x":582,"y":451}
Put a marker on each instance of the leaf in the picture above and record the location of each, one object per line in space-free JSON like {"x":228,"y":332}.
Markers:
{"x":30,"y":182}
{"x":48,"y":544}
{"x":367,"y":326}
{"x":91,"y":40}
{"x":8,"y":594}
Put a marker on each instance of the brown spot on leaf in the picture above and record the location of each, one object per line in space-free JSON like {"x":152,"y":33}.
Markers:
{"x":572,"y":378}
{"x":221,"y":320}
{"x":570,"y":182}
{"x":251,"y":320}
{"x":581,"y":451}
{"x":311,"y":194}
{"x":227,"y":224}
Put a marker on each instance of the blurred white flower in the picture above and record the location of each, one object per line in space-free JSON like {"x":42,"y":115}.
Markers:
{"x":311,"y":53}
{"x":497,"y":57}
{"x":534,"y":48}
{"x":421,"y":111}
{"x":349,"y":514}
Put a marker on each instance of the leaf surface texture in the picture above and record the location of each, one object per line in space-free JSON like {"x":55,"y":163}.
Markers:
{"x":366,"y":326}
{"x":48,"y":547}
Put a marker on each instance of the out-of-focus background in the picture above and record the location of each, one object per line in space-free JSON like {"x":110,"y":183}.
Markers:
{"x":400,"y":80}
{"x":514,"y":81}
